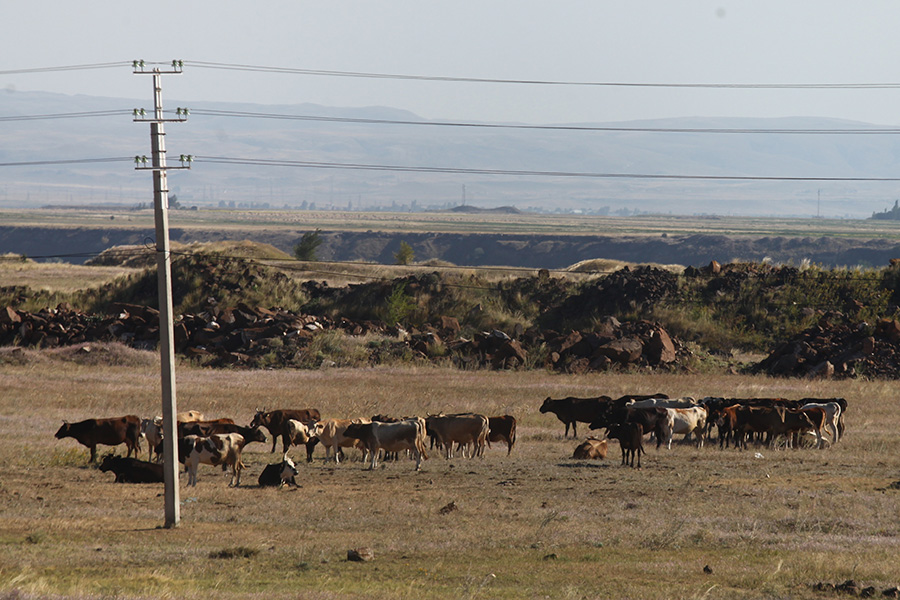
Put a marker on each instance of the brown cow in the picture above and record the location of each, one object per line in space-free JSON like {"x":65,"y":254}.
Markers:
{"x":591,"y":448}
{"x":502,"y":429}
{"x":109,"y":432}
{"x":276,"y":422}
{"x":630,"y":438}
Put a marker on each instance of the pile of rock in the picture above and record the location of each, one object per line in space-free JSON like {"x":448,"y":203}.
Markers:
{"x":837,"y":348}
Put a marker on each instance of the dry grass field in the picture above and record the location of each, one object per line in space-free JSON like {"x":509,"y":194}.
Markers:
{"x":536,"y":524}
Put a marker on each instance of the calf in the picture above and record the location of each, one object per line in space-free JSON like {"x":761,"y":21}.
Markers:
{"x":591,"y":448}
{"x":630,"y":439}
{"x":131,"y":470}
{"x":109,"y":432}
{"x":217,"y":449}
{"x":151,"y":430}
{"x":502,"y":429}
{"x":390,"y":437}
{"x":278,"y":474}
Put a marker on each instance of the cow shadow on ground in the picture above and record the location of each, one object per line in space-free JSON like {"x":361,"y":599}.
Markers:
{"x":572,"y":464}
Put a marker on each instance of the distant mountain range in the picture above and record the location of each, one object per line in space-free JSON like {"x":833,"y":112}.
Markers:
{"x":377,"y":159}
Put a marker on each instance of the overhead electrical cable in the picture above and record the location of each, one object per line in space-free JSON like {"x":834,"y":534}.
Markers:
{"x":67,"y":68}
{"x":624,"y":129}
{"x":360,"y":74}
{"x":70,"y":161}
{"x":73,"y":115}
{"x":512,"y":172}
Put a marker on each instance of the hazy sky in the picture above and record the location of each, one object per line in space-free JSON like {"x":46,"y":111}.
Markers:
{"x":652,"y":41}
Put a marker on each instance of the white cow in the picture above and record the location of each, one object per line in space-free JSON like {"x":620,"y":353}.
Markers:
{"x":662,"y":403}
{"x":687,"y":421}
{"x":217,"y":449}
{"x":298,"y":433}
{"x":832,"y":417}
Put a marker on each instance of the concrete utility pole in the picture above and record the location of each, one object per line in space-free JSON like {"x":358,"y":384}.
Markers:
{"x":164,"y":274}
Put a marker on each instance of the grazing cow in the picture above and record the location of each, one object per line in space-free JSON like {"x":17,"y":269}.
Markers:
{"x":687,"y":421}
{"x":131,"y":470}
{"x":390,"y":437}
{"x":656,"y":402}
{"x":189,"y":416}
{"x":217,"y":449}
{"x":630,"y":439}
{"x":279,"y":474}
{"x":502,"y":429}
{"x":796,"y":421}
{"x":151,"y":430}
{"x":591,"y":448}
{"x":571,"y":410}
{"x":109,"y":432}
{"x":462,"y":428}
{"x":276,"y":421}
{"x":818,"y":418}
{"x":331,"y":433}
{"x":208,"y":428}
{"x":832,"y":417}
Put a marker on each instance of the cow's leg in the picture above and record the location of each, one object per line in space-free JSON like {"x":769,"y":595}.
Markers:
{"x":93,"y":448}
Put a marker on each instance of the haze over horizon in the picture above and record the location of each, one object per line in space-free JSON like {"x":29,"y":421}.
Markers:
{"x":576,"y":62}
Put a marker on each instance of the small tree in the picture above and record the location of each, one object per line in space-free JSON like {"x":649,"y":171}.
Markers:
{"x":308,"y":245}
{"x":404,"y":255}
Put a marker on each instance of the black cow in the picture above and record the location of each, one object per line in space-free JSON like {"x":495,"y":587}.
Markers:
{"x":131,"y":470}
{"x":278,"y":474}
{"x":630,"y":438}
{"x":109,"y":432}
{"x":571,"y":410}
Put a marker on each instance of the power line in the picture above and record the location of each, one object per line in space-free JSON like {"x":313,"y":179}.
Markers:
{"x":511,"y":172}
{"x":65,"y":162}
{"x":67,"y":68}
{"x":360,"y":74}
{"x":316,"y":118}
{"x":73,"y":115}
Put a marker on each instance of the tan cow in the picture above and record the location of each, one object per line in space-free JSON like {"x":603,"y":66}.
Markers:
{"x":465,"y":428}
{"x":331,"y":434}
{"x":591,"y":448}
{"x":689,"y":421}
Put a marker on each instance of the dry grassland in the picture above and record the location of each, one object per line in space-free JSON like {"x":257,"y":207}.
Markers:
{"x":536,"y":524}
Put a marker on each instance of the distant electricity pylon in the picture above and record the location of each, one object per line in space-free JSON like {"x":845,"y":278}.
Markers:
{"x":164,"y":274}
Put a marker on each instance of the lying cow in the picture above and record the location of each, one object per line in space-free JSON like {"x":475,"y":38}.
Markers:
{"x":591,"y":448}
{"x":131,"y":470}
{"x":109,"y":432}
{"x":279,"y":474}
{"x":390,"y":437}
{"x":218,"y":449}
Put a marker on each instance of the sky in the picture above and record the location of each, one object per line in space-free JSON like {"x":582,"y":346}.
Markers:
{"x":599,"y":41}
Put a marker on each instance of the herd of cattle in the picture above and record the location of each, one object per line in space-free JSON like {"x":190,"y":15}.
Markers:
{"x":627,"y":419}
{"x":221,"y":441}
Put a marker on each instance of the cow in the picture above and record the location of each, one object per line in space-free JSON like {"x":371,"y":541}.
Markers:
{"x":131,"y":470}
{"x":279,"y":474}
{"x":630,"y":439}
{"x":740,"y":420}
{"x":502,"y":429}
{"x":217,"y":449}
{"x":208,"y":428}
{"x":650,"y":420}
{"x":832,"y":417}
{"x":390,"y":437}
{"x":591,"y":448}
{"x":331,"y":433}
{"x":109,"y":432}
{"x":796,"y":421}
{"x":152,"y":431}
{"x":297,"y":433}
{"x":275,"y":422}
{"x":657,"y":402}
{"x":461,"y":428}
{"x":571,"y":410}
{"x":189,"y":416}
{"x":689,"y":421}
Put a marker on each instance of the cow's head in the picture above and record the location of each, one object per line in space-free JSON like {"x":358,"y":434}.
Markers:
{"x":354,"y":430}
{"x":260,"y":418}
{"x":545,"y":407}
{"x":255,"y":435}
{"x":288,"y":470}
{"x":63,"y":431}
